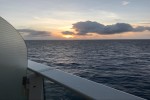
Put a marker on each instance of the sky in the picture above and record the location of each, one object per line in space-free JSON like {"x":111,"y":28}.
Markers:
{"x":78,"y":19}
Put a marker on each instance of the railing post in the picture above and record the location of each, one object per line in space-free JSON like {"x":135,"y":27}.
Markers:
{"x":35,"y":87}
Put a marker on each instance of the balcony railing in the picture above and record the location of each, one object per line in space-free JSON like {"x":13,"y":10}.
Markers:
{"x":87,"y":88}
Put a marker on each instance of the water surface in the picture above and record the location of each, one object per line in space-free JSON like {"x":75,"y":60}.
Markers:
{"x":121,"y":64}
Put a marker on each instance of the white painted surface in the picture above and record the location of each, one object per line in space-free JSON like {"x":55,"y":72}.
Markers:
{"x":35,"y":87}
{"x":13,"y":63}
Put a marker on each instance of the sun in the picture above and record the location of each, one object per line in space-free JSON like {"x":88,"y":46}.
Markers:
{"x":68,"y":36}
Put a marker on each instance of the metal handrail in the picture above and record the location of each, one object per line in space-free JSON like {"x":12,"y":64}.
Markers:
{"x":86,"y":88}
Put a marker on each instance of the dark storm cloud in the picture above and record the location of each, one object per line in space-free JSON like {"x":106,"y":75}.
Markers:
{"x":34,"y":33}
{"x":68,"y":33}
{"x":82,"y":28}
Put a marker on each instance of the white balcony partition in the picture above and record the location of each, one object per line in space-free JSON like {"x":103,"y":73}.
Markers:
{"x":13,"y":63}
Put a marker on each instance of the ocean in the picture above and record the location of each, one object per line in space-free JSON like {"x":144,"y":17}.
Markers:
{"x":121,"y":64}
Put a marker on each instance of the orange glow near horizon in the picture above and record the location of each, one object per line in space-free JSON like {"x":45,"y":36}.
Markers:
{"x":68,"y":36}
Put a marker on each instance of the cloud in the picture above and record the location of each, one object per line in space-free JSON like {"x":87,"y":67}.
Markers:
{"x":141,"y":29}
{"x":34,"y":33}
{"x":82,"y":28}
{"x":146,"y":23}
{"x":147,"y":28}
{"x":68,"y":33}
{"x":125,"y":3}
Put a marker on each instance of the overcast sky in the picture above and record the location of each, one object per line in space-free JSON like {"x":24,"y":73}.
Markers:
{"x":78,"y":19}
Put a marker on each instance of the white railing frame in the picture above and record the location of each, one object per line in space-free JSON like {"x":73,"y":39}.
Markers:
{"x":87,"y":88}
